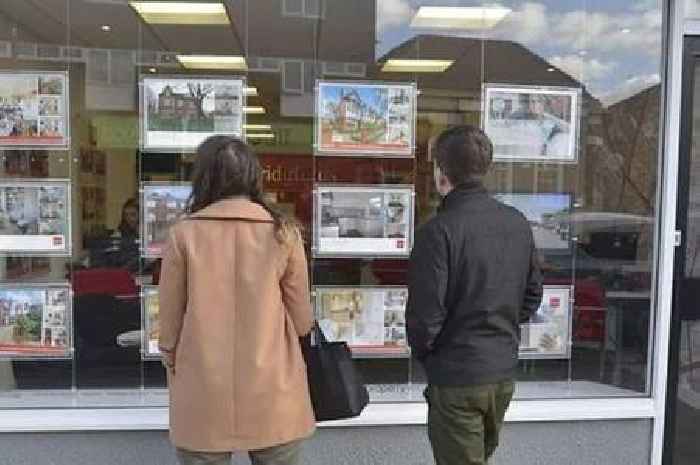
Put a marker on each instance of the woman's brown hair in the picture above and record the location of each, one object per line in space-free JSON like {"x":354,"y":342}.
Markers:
{"x":227,"y":167}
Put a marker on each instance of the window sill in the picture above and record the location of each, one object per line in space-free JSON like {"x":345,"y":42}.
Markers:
{"x":156,"y":418}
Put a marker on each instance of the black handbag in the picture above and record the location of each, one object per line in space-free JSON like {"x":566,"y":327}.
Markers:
{"x":335,"y":387}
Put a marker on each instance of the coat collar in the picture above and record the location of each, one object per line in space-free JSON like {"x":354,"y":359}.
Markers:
{"x":235,"y":208}
{"x":463,"y":192}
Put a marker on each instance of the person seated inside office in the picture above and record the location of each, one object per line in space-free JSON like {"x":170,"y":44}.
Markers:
{"x":120,"y":248}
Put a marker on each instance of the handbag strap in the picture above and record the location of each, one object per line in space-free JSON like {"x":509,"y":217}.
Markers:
{"x":318,"y":338}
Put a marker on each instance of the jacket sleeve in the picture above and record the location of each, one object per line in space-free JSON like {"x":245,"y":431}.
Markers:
{"x":295,"y":290}
{"x":172,"y":296}
{"x":427,"y":288}
{"x":533,"y":291}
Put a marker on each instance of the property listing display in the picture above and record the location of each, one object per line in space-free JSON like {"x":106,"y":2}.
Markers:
{"x":151,"y":327}
{"x":363,"y":221}
{"x":35,"y":321}
{"x":179,"y":113}
{"x":532,"y":123}
{"x":372,"y":320}
{"x":35,"y":217}
{"x":549,"y":216}
{"x":548,"y":333}
{"x":162,"y":205}
{"x":34,"y":110}
{"x":365,"y":119}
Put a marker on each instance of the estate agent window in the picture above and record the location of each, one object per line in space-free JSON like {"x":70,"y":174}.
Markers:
{"x":103,"y":103}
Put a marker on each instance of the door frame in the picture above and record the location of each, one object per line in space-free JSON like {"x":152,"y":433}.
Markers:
{"x":691,"y":58}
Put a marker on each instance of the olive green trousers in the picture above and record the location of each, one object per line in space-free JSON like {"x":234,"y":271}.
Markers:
{"x":464,"y":422}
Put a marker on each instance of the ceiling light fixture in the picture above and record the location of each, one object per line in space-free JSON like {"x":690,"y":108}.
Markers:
{"x":254,"y":110}
{"x":152,"y":70}
{"x":257,"y":127}
{"x":106,"y":28}
{"x":228,"y":62}
{"x":550,"y":70}
{"x":182,"y":13}
{"x":446,"y":17}
{"x":416,"y":66}
{"x":251,"y":91}
{"x":626,"y":30}
{"x":260,"y":135}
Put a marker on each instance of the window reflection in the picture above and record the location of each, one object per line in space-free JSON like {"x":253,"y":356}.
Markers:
{"x":601,"y":203}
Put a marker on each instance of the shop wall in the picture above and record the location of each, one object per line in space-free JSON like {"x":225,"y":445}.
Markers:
{"x":576,"y":443}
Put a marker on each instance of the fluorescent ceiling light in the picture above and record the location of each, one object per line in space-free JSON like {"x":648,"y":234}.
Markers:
{"x":251,"y":91}
{"x":260,"y":135}
{"x":416,"y":66}
{"x":230,"y":62}
{"x":181,"y":12}
{"x":257,"y":127}
{"x":448,"y":17}
{"x":254,"y":110}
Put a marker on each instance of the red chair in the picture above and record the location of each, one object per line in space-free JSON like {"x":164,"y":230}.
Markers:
{"x":116,"y":282}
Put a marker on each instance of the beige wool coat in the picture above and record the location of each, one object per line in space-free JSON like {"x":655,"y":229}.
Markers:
{"x":233,"y":303}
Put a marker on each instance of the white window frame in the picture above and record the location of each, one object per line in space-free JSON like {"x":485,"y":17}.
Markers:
{"x":650,"y":408}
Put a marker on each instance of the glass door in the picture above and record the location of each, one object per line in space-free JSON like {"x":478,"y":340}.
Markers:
{"x":683,"y":421}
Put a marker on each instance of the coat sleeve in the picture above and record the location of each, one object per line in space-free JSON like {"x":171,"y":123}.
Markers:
{"x":427,"y":289}
{"x":172,"y":296}
{"x":295,"y":290}
{"x":533,"y":291}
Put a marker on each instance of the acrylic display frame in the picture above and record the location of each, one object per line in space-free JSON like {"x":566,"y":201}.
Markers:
{"x":318,"y":250}
{"x":36,"y":354}
{"x":151,"y":147}
{"x":572,"y":155}
{"x":566,"y":295}
{"x":366,"y":351}
{"x":65,"y":141}
{"x":146,"y":243}
{"x":36,"y":183}
{"x":320,"y":149}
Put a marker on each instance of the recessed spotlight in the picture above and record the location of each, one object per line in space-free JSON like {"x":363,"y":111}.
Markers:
{"x":152,"y":70}
{"x":550,"y":70}
{"x":106,"y":28}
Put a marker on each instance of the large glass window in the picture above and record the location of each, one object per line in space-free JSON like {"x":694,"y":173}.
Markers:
{"x":102,"y":103}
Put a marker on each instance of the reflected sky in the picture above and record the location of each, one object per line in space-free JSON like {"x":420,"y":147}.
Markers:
{"x":612,"y":46}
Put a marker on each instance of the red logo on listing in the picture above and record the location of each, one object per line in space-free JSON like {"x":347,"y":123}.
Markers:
{"x":57,"y":241}
{"x":554,"y":302}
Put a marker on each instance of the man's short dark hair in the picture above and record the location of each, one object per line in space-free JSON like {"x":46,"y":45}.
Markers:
{"x":463,"y":153}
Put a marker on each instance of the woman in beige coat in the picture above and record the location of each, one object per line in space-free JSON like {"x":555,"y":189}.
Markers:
{"x":234,"y":300}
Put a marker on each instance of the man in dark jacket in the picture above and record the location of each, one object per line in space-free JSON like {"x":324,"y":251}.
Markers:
{"x":474,"y":278}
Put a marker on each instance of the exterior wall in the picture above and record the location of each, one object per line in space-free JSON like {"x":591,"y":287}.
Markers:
{"x":571,"y":443}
